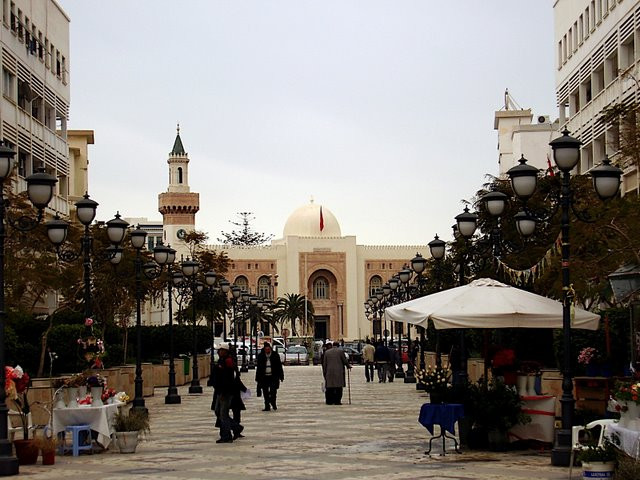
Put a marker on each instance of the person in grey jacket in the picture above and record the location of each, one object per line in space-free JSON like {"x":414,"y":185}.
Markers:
{"x":334,"y":362}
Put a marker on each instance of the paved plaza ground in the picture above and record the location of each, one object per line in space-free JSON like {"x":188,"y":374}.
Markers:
{"x":376,"y":437}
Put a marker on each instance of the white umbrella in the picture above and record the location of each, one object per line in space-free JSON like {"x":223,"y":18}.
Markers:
{"x":487,"y":303}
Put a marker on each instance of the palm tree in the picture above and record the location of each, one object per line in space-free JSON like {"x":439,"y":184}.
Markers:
{"x":291,"y":307}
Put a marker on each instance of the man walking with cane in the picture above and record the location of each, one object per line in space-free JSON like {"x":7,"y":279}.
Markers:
{"x":367,"y":355}
{"x":333,"y":363}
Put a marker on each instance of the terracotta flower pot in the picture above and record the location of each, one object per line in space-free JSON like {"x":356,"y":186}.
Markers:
{"x":26,"y":451}
{"x":48,"y":457}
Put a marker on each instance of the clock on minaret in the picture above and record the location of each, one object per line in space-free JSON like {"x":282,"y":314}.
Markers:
{"x":178,"y":205}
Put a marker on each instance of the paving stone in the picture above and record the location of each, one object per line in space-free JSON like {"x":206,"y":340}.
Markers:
{"x":377,"y":437}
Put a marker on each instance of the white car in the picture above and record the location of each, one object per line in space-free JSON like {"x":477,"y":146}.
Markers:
{"x":297,"y":354}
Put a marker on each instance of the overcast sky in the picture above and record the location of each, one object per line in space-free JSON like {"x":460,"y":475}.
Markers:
{"x":381,"y":110}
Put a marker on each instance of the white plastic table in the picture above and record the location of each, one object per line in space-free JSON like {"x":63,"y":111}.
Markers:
{"x":99,"y":419}
{"x":625,"y":439}
{"x":542,"y":410}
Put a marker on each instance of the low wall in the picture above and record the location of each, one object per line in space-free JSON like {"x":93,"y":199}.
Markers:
{"x":120,"y":379}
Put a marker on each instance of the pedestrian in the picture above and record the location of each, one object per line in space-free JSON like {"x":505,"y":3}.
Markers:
{"x":381,"y":357}
{"x":391,"y":366}
{"x":333,"y":363}
{"x":226,"y":387}
{"x":367,"y":355}
{"x":269,"y":374}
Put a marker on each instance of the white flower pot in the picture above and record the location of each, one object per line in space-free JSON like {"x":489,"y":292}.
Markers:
{"x":127,"y":441}
{"x":598,"y":470}
{"x":96,"y":396}
{"x":59,"y":403}
{"x":73,"y":397}
{"x":531,"y":385}
{"x":521,"y":385}
{"x":629,"y":419}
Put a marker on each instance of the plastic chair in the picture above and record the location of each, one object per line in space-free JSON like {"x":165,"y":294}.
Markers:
{"x":76,"y":447}
{"x":576,"y":445}
{"x":15,"y":423}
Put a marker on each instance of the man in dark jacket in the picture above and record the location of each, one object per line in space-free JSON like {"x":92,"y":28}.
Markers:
{"x":226,"y":387}
{"x":269,"y":374}
{"x":382,"y":357}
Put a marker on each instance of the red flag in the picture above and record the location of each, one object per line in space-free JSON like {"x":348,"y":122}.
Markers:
{"x":550,"y":167}
{"x":321,"y":220}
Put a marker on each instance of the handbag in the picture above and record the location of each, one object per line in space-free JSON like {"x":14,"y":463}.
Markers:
{"x":245,"y":394}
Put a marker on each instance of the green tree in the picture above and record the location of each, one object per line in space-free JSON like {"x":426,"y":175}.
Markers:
{"x":246,"y":235}
{"x":291,"y":308}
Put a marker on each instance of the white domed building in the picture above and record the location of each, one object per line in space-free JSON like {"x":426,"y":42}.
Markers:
{"x":312,"y":258}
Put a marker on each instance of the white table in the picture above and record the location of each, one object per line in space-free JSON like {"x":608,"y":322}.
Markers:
{"x":542,"y":410}
{"x":626,"y":440}
{"x":99,"y":419}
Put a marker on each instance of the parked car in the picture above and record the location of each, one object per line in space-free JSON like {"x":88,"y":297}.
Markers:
{"x":353,"y":355}
{"x":297,"y":354}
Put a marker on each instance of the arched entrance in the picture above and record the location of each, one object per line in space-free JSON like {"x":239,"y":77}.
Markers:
{"x":327,"y":297}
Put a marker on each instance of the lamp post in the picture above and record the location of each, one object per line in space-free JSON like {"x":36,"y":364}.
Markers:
{"x":40,"y":191}
{"x":437,"y":248}
{"x":212,"y":290}
{"x":606,"y":182}
{"x":235,"y":294}
{"x":189,"y":270}
{"x":172,"y":397}
{"x":244,"y":308}
{"x":165,"y":256}
{"x":138,"y":238}
{"x":466,"y":224}
{"x":253,"y":303}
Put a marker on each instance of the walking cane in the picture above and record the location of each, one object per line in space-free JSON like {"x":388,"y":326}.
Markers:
{"x":349,"y":384}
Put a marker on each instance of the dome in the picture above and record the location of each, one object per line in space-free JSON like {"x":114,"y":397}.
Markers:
{"x":305,"y":222}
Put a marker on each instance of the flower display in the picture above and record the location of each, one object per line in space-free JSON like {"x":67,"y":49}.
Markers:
{"x":122,"y":397}
{"x":627,"y":392}
{"x":96,"y":380}
{"x":587,"y":355}
{"x":434,"y":379}
{"x":16,"y":385}
{"x":107,"y":394}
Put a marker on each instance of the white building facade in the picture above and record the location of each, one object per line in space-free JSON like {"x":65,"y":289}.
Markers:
{"x":313,"y":258}
{"x":34,"y":107}
{"x":597,"y":51}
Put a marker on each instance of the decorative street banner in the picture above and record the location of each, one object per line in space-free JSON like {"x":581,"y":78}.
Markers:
{"x":531,"y":274}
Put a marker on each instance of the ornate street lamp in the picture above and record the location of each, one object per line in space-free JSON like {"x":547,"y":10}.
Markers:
{"x":165,"y":256}
{"x":40,"y":192}
{"x":189,"y":270}
{"x":606,"y":181}
{"x":465,"y":227}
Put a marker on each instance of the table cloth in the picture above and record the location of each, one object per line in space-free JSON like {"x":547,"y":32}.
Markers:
{"x":99,"y":419}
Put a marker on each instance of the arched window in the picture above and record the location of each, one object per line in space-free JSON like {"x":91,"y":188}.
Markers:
{"x":243,"y":283}
{"x":180,"y":175}
{"x":321,"y":289}
{"x":264,"y":288}
{"x":374,"y":283}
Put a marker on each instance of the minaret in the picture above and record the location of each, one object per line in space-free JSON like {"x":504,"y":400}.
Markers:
{"x":178,"y":205}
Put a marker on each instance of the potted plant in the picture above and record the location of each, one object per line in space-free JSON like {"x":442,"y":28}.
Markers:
{"x":128,"y":427}
{"x":47,"y":445}
{"x":627,"y":396}
{"x":436,"y":382}
{"x":499,"y":408}
{"x":598,"y":461}
{"x":16,"y":388}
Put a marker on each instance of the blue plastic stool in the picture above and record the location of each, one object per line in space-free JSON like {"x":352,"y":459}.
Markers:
{"x":75,"y":431}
